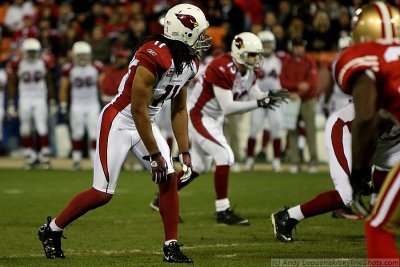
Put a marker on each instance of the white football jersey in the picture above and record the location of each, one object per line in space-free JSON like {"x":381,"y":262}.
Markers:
{"x":269,"y":74}
{"x":155,"y":57}
{"x":31,"y":78}
{"x":3,"y":84}
{"x":83,"y":82}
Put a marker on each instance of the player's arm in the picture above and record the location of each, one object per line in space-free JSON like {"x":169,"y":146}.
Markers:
{"x":50,"y":85}
{"x":100,"y":81}
{"x":63,"y":94}
{"x":142,"y":89}
{"x":230,"y":106}
{"x":179,"y":119}
{"x":12,"y":86}
{"x":365,"y":126}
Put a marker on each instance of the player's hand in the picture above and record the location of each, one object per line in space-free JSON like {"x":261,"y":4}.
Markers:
{"x":158,"y":167}
{"x":11,"y":111}
{"x":186,"y":163}
{"x":273,"y":99}
{"x":53,"y":108}
{"x":360,"y":181}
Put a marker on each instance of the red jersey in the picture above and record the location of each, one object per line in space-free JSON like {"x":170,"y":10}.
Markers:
{"x":381,"y":60}
{"x":296,"y":70}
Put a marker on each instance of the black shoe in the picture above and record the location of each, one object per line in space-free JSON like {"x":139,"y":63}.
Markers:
{"x":261,"y":157}
{"x":283,"y":225}
{"x":172,"y":253}
{"x":154,"y":204}
{"x":51,"y":241}
{"x":229,"y":217}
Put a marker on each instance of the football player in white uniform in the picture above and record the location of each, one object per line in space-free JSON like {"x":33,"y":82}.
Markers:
{"x":268,"y":80}
{"x":338,"y":148}
{"x":79,"y":85}
{"x":228,"y":86}
{"x":32,"y":78}
{"x":3,"y":87}
{"x":161,"y":69}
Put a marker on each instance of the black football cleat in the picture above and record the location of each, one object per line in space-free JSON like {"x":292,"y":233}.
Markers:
{"x":172,"y":253}
{"x":51,"y":241}
{"x":283,"y":225}
{"x":229,"y":217}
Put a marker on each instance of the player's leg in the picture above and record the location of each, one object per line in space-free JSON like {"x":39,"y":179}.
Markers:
{"x":40,"y":120}
{"x":256,"y":122}
{"x":338,"y":144}
{"x":168,"y":198}
{"x":385,"y":219}
{"x":110,"y":154}
{"x":275,"y":120}
{"x":93,"y":114}
{"x":25,"y":109}
{"x":308,"y":113}
{"x":212,"y":140}
{"x":77,"y":125}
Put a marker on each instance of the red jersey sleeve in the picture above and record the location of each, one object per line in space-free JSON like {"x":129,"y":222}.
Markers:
{"x":155,"y":57}
{"x":353,"y":60}
{"x":49,"y":61}
{"x":219,"y":74}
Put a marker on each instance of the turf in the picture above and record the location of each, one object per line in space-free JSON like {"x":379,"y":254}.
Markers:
{"x":126,"y":232}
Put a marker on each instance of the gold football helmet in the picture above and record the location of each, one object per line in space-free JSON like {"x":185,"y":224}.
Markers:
{"x":377,"y":20}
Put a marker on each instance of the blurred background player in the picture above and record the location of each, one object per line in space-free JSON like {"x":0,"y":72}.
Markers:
{"x":112,"y":75}
{"x":79,"y":85}
{"x":3,"y":88}
{"x":299,"y":76}
{"x":268,"y":81}
{"x":227,"y":87}
{"x":32,"y":78}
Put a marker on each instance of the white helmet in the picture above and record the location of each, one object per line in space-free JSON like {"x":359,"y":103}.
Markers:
{"x":186,"y":23}
{"x":268,"y":41}
{"x":246,"y":43}
{"x":31,"y":49}
{"x":81,"y":53}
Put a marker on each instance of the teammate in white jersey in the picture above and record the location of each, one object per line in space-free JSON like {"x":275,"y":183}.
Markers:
{"x":268,"y":80}
{"x":80,"y":86}
{"x":161,"y":69}
{"x":338,"y":148}
{"x":227,"y":87}
{"x":32,"y":78}
{"x":3,"y":87}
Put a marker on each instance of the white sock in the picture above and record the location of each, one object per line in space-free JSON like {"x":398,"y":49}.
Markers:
{"x":222,"y":204}
{"x":296,"y":213}
{"x":54,"y":227}
{"x":169,"y":241}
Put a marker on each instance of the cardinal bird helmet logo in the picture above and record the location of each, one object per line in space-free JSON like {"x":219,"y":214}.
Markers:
{"x":239,"y":42}
{"x":188,"y":21}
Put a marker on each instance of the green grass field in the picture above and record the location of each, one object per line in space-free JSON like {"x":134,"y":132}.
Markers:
{"x":126,"y":232}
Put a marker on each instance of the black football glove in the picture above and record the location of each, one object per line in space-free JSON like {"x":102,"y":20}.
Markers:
{"x":158,"y":167}
{"x":360,"y":181}
{"x":274,"y":99}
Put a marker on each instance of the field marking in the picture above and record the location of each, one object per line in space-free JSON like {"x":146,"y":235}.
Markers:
{"x":14,"y":191}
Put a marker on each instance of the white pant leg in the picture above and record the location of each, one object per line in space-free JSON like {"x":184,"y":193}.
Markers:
{"x":91,"y":120}
{"x":25,"y":113}
{"x":116,"y":135}
{"x":275,"y":118}
{"x":258,"y":117}
{"x":77,"y":122}
{"x":210,"y":140}
{"x":338,"y":145}
{"x":40,"y":116}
